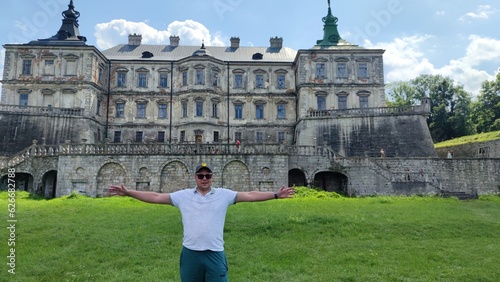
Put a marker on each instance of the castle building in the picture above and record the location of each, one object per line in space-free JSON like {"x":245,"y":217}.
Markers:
{"x":314,"y":116}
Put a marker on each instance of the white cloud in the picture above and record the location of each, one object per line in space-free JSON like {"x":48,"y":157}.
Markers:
{"x":405,"y":59}
{"x":440,"y":13}
{"x":190,"y":32}
{"x":483,"y":12}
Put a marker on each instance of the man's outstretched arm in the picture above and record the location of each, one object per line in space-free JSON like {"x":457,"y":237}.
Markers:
{"x":257,"y":196}
{"x":148,"y":197}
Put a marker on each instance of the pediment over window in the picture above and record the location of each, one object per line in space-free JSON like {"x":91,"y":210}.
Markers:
{"x":321,"y":93}
{"x":163,"y":70}
{"x":363,"y":93}
{"x":24,"y":91}
{"x":161,"y":101}
{"x":27,"y":56}
{"x":141,"y":101}
{"x":259,"y":71}
{"x":49,"y":56}
{"x":342,"y":93}
{"x":342,"y":60}
{"x":260,"y":102}
{"x":238,"y":71}
{"x":199,"y":99}
{"x":142,"y":69}
{"x":281,"y":71}
{"x":238,"y":102}
{"x":363,"y":60}
{"x":69,"y":91}
{"x":120,"y":101}
{"x":281,"y":102}
{"x":71,"y":57}
{"x":48,"y":91}
{"x":121,"y":69}
{"x":199,"y":67}
{"x":320,"y":59}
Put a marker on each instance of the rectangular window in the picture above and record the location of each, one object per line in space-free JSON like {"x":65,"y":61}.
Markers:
{"x":121,"y":80}
{"x":363,"y":70}
{"x":23,"y":100}
{"x":26,"y":67}
{"x":281,"y":137}
{"x":259,"y":137}
{"x":342,"y":70}
{"x":143,"y":80}
{"x":238,"y":111}
{"x":216,"y":136}
{"x":120,"y":110}
{"x":281,"y":81}
{"x":321,"y":103}
{"x":118,"y":137}
{"x":342,"y":102}
{"x":363,"y":101}
{"x":49,"y":67}
{"x":162,"y":111}
{"x":184,"y":109}
{"x":141,"y":110}
{"x":138,"y":136}
{"x":184,"y":78}
{"x":215,"y":79}
{"x":259,"y":111}
{"x":71,"y":67}
{"x":215,"y":110}
{"x":259,"y":81}
{"x":161,"y":136}
{"x":320,"y":70}
{"x":183,"y":136}
{"x":281,"y":111}
{"x":98,"y":108}
{"x":238,"y":81}
{"x":237,"y":135}
{"x":199,"y":77}
{"x":199,"y":108}
{"x":163,"y":80}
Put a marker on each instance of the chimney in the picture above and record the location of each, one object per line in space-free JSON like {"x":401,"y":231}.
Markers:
{"x":134,"y":39}
{"x":174,"y":40}
{"x":235,"y":42}
{"x":276,"y":42}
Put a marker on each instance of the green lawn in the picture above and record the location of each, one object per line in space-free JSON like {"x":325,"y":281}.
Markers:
{"x":314,"y":238}
{"x":480,"y":137}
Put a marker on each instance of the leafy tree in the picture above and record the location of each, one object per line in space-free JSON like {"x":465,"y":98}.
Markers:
{"x":450,"y":104}
{"x":401,"y":93}
{"x":486,"y":110}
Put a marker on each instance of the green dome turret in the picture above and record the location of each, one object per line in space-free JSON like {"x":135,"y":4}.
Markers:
{"x":331,"y":35}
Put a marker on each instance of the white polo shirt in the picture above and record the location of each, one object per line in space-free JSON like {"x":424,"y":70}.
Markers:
{"x":203,"y":217}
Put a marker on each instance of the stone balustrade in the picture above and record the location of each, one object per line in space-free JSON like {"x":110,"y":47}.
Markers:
{"x":417,"y":110}
{"x":42,"y":110}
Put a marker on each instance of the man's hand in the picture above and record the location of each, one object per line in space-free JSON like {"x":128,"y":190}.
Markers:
{"x":285,"y":192}
{"x":120,"y":190}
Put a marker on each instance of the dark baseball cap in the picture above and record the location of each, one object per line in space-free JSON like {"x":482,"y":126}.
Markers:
{"x":202,"y":166}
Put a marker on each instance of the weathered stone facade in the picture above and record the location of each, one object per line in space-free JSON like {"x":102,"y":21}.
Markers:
{"x":145,"y":115}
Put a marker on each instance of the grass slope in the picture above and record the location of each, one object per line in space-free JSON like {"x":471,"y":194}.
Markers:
{"x":314,"y":237}
{"x":481,"y":137}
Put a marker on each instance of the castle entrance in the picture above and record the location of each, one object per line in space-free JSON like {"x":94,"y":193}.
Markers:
{"x":49,"y":181}
{"x":331,"y":182}
{"x":296,"y":177}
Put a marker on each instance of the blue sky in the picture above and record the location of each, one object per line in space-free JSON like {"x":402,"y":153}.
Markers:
{"x":455,"y":38}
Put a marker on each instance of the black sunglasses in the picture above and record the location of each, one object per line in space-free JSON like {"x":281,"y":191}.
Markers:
{"x":207,"y":176}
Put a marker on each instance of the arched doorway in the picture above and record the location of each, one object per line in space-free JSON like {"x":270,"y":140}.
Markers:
{"x":175,"y":176}
{"x":331,"y":182}
{"x":109,"y":174}
{"x":48,"y":187}
{"x":296,"y":177}
{"x":236,"y":176}
{"x":23,"y":182}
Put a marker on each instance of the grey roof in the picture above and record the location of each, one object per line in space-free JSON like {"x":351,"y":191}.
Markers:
{"x":172,"y":53}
